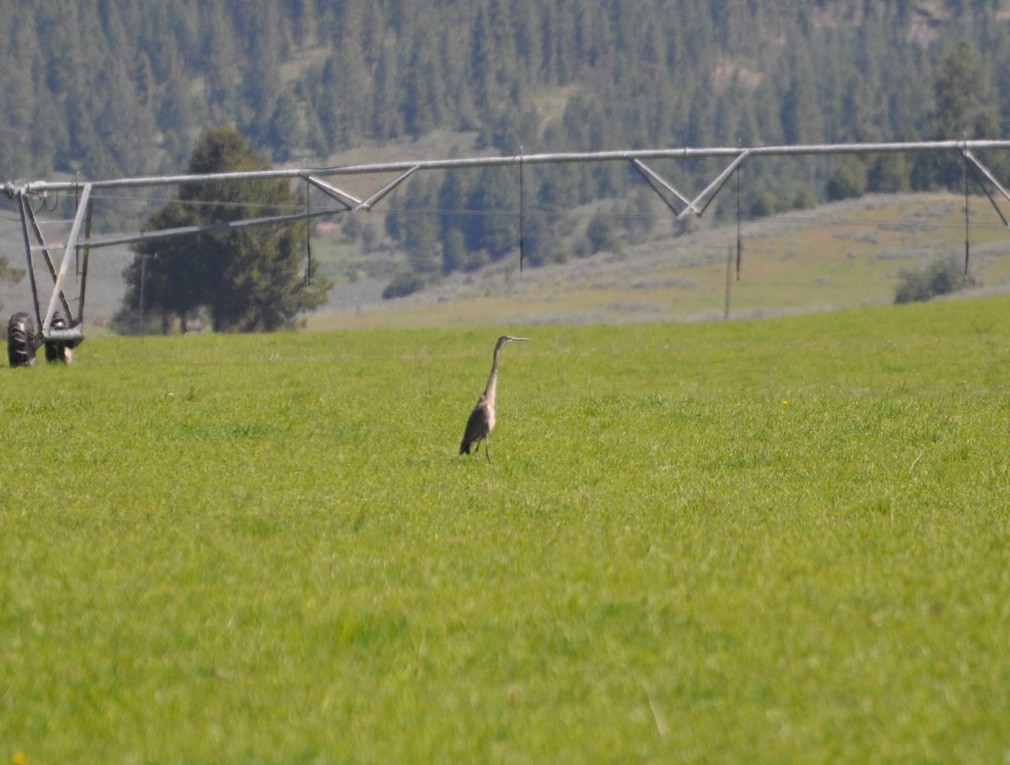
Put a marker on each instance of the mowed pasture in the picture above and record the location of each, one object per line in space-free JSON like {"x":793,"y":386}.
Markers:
{"x":783,"y":540}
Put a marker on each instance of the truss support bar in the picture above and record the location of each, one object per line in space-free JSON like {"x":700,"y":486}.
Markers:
{"x":713,"y":188}
{"x":347,"y":200}
{"x":71,"y":248}
{"x":26,"y":215}
{"x":169,"y":233}
{"x":367,"y":204}
{"x":989,"y":175}
{"x":658,"y":183}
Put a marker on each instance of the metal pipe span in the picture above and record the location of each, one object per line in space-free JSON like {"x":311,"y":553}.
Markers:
{"x":13,"y":188}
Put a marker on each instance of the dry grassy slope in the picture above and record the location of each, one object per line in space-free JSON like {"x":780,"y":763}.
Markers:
{"x":840,"y":255}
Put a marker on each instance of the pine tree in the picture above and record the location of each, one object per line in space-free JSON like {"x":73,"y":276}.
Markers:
{"x":963,"y":105}
{"x":249,"y":279}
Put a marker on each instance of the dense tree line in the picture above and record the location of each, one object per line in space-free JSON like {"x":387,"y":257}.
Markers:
{"x":126,"y":87}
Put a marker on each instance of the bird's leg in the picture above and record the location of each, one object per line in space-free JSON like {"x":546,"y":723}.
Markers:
{"x":487,"y":452}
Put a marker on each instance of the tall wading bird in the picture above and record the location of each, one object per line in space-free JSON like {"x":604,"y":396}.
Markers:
{"x":482,"y":418}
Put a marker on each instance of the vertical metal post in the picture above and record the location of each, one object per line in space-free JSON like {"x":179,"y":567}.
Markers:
{"x":308,"y":234}
{"x":729,"y":281}
{"x":739,"y":234}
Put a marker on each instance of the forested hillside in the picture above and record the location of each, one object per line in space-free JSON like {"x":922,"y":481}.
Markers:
{"x":126,"y":87}
{"x":111,"y":87}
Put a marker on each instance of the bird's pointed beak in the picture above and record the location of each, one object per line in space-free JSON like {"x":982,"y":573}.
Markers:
{"x":519,"y":339}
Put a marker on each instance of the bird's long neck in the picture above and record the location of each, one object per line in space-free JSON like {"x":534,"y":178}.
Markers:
{"x":491,"y":389}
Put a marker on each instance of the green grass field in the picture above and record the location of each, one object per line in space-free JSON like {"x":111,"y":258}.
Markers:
{"x":757,"y":541}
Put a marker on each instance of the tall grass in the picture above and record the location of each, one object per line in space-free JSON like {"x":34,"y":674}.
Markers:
{"x":769,"y":541}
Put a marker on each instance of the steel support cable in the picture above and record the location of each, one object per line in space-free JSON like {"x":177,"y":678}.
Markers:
{"x":739,"y":234}
{"x":967,"y":240}
{"x":522,"y":244}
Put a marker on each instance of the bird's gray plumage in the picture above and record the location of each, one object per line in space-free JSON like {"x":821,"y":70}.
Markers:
{"x":482,"y":418}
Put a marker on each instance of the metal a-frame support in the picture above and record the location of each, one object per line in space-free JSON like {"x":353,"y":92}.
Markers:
{"x":352,"y":203}
{"x":72,"y":332}
{"x":697,"y":206}
{"x":79,"y":240}
{"x":700,"y":203}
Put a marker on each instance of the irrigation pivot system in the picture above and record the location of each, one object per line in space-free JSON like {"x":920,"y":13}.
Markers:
{"x":60,"y":321}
